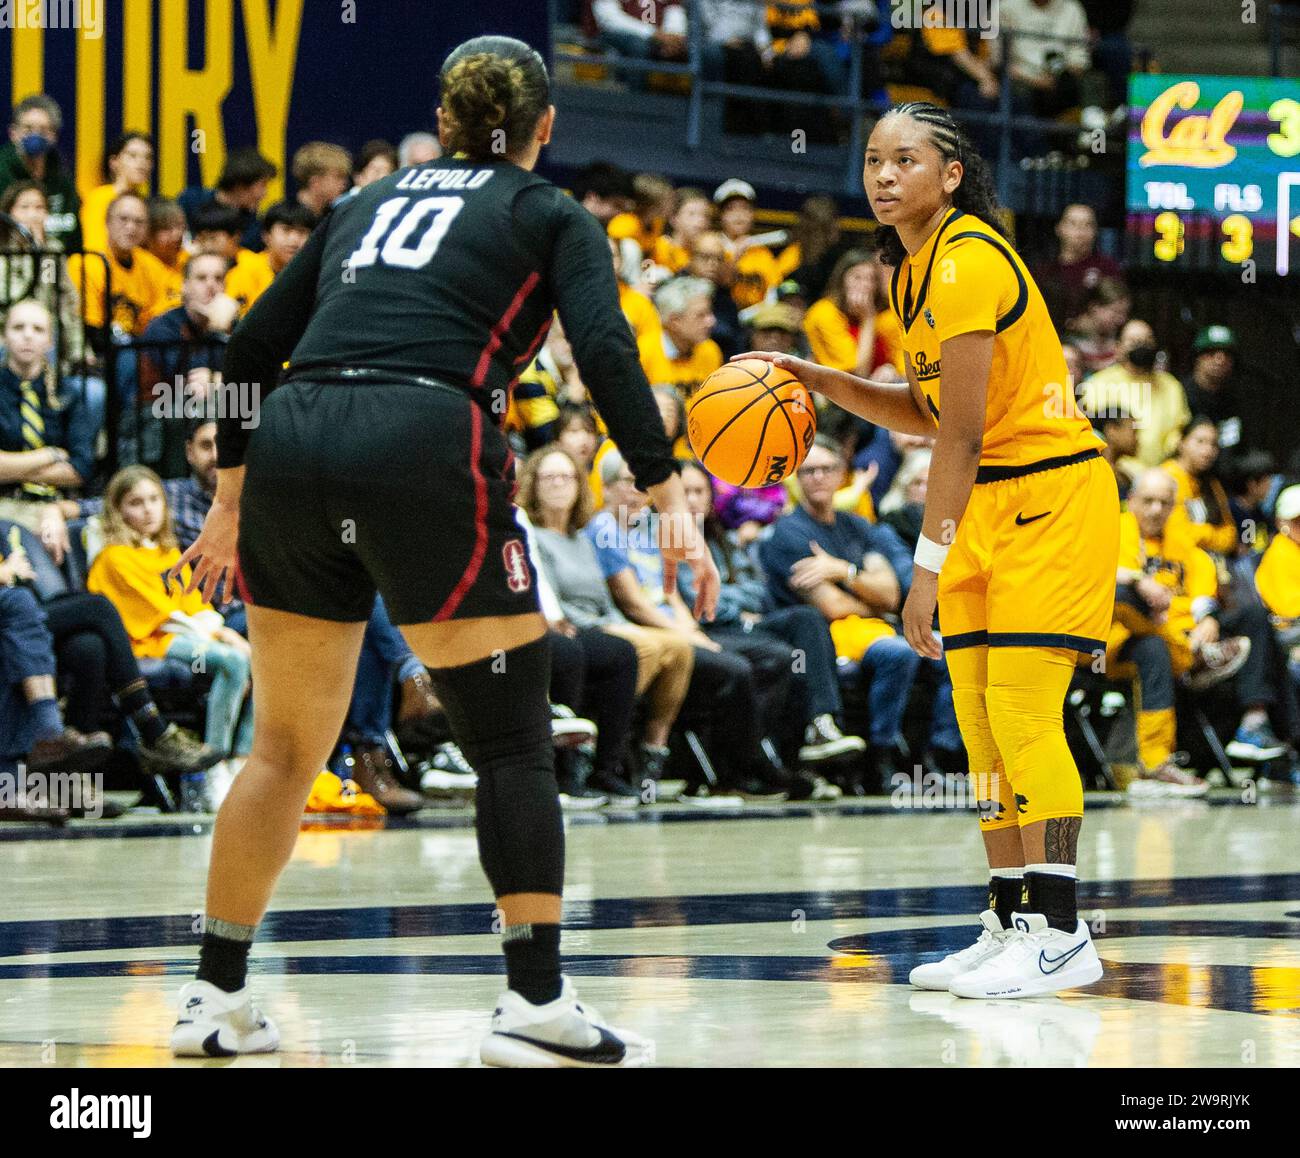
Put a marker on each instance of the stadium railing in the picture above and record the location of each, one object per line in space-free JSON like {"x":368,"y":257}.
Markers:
{"x":866,"y":29}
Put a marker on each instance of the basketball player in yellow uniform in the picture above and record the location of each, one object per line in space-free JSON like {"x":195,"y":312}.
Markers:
{"x":1019,"y":544}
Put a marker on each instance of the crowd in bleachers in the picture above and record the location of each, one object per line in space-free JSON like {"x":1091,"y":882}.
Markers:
{"x":1059,"y":58}
{"x":802,"y":687}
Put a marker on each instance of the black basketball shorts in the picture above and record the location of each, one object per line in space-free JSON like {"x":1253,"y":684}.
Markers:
{"x":403,"y":489}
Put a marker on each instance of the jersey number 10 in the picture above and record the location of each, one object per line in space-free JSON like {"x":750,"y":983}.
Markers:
{"x":440,"y":210}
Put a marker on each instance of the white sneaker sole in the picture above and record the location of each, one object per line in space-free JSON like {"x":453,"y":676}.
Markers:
{"x":1073,"y":977}
{"x":502,"y":1052}
{"x":1250,"y":753}
{"x":207,"y":1039}
{"x":933,"y":976}
{"x":813,"y":753}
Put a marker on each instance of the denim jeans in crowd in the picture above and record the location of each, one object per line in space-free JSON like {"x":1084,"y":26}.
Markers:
{"x":383,"y":651}
{"x":224,"y":729}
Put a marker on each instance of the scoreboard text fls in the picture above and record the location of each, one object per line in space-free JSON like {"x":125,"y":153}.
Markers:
{"x":1214,"y":171}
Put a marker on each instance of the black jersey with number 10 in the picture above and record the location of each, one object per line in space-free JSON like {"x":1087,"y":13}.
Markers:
{"x":452,"y":270}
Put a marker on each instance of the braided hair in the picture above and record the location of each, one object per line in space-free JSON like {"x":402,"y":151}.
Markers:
{"x":975,"y":194}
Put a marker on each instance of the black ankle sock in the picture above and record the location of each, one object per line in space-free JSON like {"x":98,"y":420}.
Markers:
{"x":1056,"y":897}
{"x":1004,"y":897}
{"x":136,"y":702}
{"x":223,"y":959}
{"x":533,"y":961}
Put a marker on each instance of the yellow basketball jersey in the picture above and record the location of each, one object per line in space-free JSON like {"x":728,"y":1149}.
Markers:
{"x":967,"y":278}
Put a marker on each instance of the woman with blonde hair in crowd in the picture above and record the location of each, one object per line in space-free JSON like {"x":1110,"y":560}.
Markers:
{"x":555,"y":496}
{"x":692,"y":215}
{"x":162,"y":621}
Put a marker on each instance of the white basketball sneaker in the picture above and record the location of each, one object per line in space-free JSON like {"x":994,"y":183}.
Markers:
{"x":940,"y":974}
{"x":213,"y":1023}
{"x":1040,"y":960}
{"x":560,"y":1034}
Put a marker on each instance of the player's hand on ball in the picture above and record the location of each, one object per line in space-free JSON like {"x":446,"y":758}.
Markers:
{"x":216,"y":552}
{"x":809,"y":373}
{"x":918,"y":614}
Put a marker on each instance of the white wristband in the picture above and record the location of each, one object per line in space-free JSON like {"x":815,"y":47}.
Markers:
{"x":929,"y":555}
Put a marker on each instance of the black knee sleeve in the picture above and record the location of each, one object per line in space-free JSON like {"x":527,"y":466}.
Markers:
{"x":501,"y":718}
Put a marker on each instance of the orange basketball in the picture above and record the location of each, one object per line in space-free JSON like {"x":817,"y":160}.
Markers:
{"x":751,"y":423}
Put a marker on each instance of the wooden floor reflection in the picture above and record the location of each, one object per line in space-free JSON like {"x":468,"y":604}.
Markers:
{"x":784,"y":939}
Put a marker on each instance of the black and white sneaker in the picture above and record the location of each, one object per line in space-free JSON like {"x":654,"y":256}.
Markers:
{"x":562,"y":1034}
{"x":823,"y":740}
{"x":448,"y":773}
{"x":213,"y":1023}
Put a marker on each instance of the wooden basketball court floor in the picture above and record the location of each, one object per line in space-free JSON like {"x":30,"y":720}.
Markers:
{"x":780,"y":936}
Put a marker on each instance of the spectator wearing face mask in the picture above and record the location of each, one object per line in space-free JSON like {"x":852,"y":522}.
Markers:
{"x":31,"y":155}
{"x":1154,"y":397}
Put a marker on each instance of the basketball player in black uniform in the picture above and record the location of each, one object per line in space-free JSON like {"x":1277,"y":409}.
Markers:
{"x":379,"y":464}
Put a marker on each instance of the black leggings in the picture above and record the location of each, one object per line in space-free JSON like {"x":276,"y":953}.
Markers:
{"x":595,"y":674}
{"x":501,"y":720}
{"x":93,"y":650}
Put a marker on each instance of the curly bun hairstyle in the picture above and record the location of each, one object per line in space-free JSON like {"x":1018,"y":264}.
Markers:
{"x":975,"y":195}
{"x":494,"y":90}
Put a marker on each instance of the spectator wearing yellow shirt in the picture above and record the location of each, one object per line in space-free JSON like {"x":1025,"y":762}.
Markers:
{"x":848,"y":329}
{"x":1277,"y":578}
{"x":756,"y":268}
{"x":128,"y":168}
{"x":166,"y":242}
{"x":692,"y":216}
{"x":637,"y":308}
{"x":285,"y":230}
{"x":140,"y":546}
{"x":711,"y":260}
{"x":682,"y":354}
{"x":1155,"y":398}
{"x":1165,"y":626}
{"x":138,"y":285}
{"x":638,"y":231}
{"x":1201,"y":496}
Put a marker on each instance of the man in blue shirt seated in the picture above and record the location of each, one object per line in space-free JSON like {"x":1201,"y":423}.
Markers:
{"x":853,"y":572}
{"x":181,"y":354}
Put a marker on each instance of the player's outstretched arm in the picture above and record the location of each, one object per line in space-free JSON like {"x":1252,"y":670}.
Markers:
{"x":892,"y":405}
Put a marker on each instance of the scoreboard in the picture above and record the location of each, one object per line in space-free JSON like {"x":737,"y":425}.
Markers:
{"x":1213,"y":174}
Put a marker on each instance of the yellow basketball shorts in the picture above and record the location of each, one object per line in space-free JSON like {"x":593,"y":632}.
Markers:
{"x":1033,"y":563}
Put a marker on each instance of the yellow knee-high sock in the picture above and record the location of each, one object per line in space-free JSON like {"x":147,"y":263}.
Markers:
{"x":1026,"y":691}
{"x":968,"y":668}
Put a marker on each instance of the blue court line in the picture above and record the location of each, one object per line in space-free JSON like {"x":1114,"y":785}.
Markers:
{"x":81,"y":934}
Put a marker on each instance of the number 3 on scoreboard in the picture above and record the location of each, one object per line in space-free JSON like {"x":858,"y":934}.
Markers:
{"x":1240,"y":234}
{"x":1170,"y":242}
